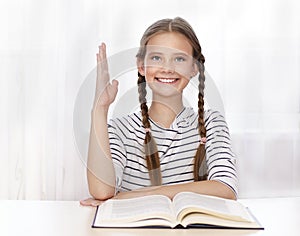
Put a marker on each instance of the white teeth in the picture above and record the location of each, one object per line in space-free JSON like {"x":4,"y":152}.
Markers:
{"x":166,"y":80}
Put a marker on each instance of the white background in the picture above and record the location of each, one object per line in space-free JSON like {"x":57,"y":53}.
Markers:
{"x":48,"y":47}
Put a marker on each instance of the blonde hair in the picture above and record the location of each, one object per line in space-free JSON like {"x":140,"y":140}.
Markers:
{"x":181,"y":26}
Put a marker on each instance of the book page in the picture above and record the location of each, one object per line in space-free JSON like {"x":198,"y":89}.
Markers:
{"x":205,"y":219}
{"x":136,"y":209}
{"x":187,"y":202}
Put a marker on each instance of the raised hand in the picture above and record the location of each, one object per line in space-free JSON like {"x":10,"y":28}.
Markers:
{"x":100,"y":169}
{"x":106,"y":91}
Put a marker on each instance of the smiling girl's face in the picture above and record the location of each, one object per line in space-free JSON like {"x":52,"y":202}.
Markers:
{"x":168,"y":64}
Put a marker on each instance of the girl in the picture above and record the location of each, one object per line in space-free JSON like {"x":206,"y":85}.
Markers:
{"x":166,"y":148}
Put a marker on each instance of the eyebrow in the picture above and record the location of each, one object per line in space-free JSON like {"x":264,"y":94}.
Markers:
{"x":176,"y":54}
{"x":151,"y":53}
{"x":182,"y":54}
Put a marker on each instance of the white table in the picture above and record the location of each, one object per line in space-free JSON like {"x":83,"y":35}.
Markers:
{"x":279,"y":216}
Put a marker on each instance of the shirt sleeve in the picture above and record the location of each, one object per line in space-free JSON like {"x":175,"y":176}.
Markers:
{"x":221,"y":161}
{"x":118,"y":151}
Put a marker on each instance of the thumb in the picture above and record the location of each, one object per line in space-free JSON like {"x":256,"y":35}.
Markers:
{"x":115,"y":83}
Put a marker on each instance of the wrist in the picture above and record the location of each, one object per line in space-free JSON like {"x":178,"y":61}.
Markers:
{"x":99,"y":114}
{"x":99,"y":110}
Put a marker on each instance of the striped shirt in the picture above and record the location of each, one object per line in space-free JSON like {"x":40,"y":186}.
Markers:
{"x":176,"y":145}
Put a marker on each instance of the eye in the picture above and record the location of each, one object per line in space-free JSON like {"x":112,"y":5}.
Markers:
{"x":179,"y":59}
{"x":156,"y":58}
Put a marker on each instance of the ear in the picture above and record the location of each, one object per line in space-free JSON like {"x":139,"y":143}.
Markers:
{"x":194,"y":70}
{"x":140,"y":66}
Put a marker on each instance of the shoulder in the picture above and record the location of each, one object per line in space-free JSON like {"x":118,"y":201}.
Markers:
{"x":214,"y":120}
{"x":213,"y":116}
{"x":132,"y":120}
{"x":209,"y":115}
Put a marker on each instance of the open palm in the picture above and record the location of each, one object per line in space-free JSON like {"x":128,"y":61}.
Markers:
{"x":106,"y":91}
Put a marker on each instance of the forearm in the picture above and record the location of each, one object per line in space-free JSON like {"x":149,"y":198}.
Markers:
{"x":100,"y":170}
{"x":209,"y":187}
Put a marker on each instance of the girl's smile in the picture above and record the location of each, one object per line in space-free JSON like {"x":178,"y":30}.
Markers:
{"x":167,"y":80}
{"x":168,"y":61}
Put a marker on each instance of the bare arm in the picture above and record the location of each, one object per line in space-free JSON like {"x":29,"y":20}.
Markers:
{"x":208,"y":187}
{"x":100,"y":170}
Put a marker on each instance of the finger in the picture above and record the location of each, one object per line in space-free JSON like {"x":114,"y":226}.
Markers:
{"x":114,"y":88}
{"x":86,"y":202}
{"x":98,"y":58}
{"x":90,"y":202}
{"x":96,"y":203}
{"x":102,"y":68}
{"x":101,"y":58}
{"x":102,"y":51}
{"x":115,"y":83}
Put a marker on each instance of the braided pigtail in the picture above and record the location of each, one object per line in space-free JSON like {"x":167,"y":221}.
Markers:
{"x":151,"y":153}
{"x":181,"y":26}
{"x":200,"y":168}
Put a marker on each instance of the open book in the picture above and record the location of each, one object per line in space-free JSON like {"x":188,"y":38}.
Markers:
{"x":186,"y":210}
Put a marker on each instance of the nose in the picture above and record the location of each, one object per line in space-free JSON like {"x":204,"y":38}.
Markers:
{"x":168,"y":66}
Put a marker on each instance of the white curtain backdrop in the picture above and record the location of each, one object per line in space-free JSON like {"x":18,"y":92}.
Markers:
{"x":48,"y":47}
